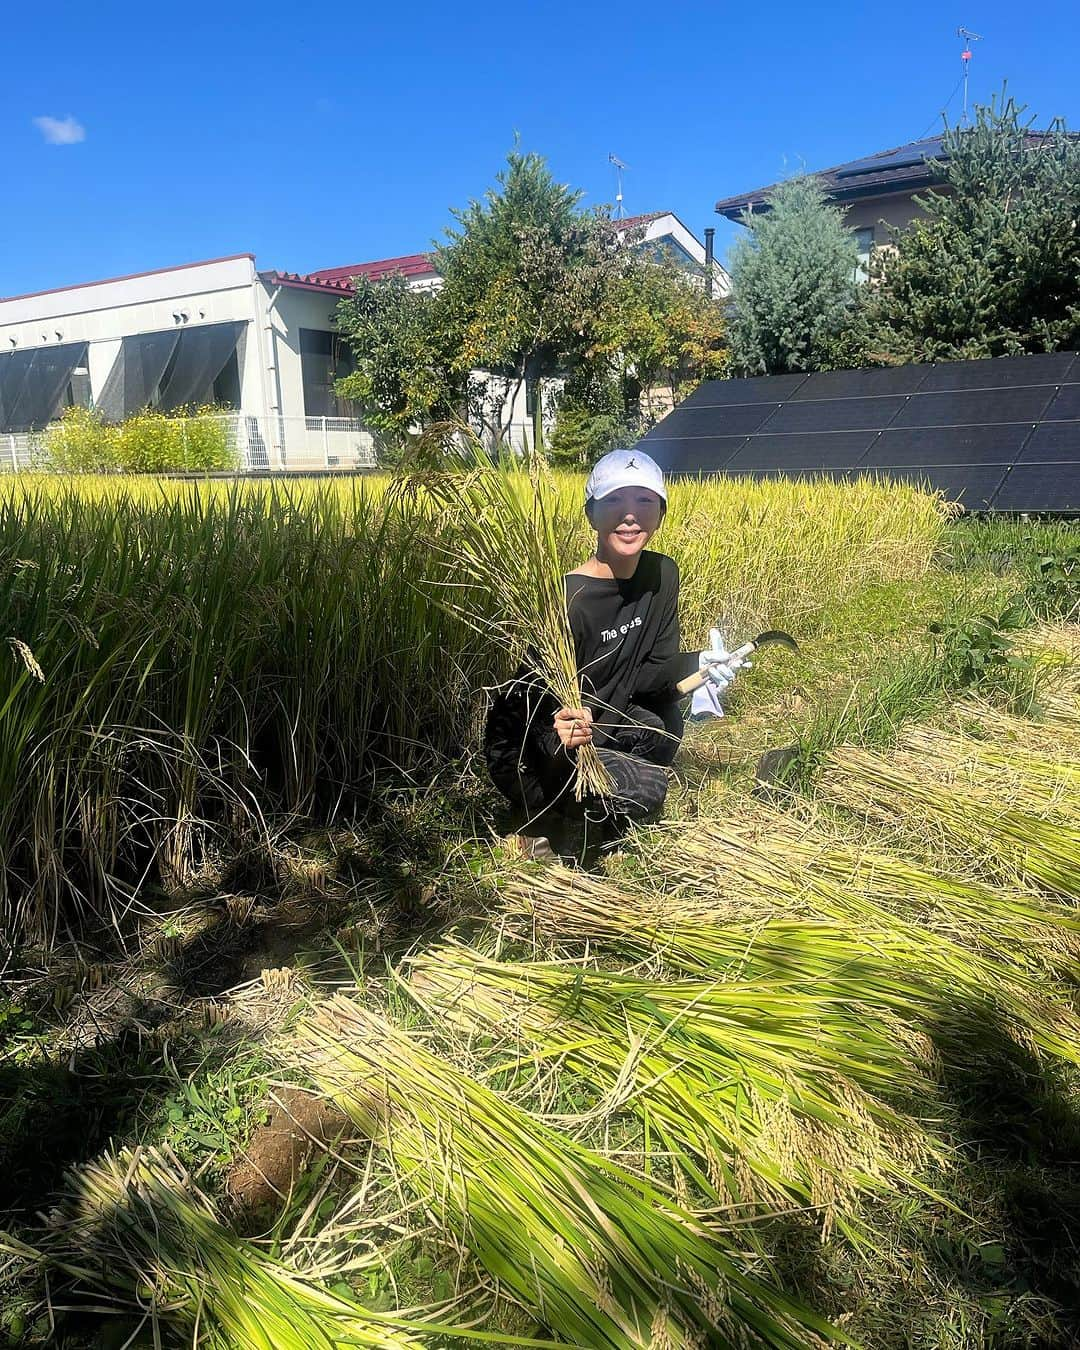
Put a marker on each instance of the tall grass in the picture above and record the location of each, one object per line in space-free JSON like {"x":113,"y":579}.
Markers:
{"x":186,"y":662}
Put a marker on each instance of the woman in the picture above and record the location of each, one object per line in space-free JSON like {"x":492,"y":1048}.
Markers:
{"x":623,"y":606}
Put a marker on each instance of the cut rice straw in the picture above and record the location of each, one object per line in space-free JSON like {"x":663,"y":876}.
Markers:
{"x":135,"y":1228}
{"x":602,"y":1257}
{"x":1016,"y":926}
{"x":1004,"y":841}
{"x":755,"y":1080}
{"x":936,"y":986}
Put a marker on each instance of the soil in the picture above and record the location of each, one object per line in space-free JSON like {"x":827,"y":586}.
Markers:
{"x":277,"y":1153}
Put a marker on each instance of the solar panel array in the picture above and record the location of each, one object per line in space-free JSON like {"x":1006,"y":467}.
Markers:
{"x":994,"y":435}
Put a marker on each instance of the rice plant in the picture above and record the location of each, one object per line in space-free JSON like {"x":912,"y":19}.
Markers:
{"x":744,"y":931}
{"x":134,"y":1228}
{"x":749,"y":1086}
{"x":824,"y":872}
{"x":1046,"y":785}
{"x":507,"y":575}
{"x":604,"y":1258}
{"x":1005,"y":840}
{"x":184,"y":663}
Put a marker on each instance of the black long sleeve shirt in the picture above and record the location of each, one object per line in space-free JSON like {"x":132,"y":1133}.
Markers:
{"x":626,"y":639}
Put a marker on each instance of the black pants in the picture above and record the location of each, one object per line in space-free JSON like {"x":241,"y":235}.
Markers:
{"x":635,"y":751}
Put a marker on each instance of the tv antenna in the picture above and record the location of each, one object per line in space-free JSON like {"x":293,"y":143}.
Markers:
{"x":619,"y":169}
{"x":965,"y":61}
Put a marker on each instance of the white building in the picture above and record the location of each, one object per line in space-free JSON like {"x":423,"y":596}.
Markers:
{"x":221,"y":332}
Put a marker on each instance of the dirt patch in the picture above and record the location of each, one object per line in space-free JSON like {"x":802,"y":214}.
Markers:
{"x":277,"y":1153}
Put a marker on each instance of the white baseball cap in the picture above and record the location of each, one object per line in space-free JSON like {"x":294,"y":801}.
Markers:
{"x":623,"y":469}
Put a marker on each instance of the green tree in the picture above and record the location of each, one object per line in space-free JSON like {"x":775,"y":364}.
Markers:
{"x":525,"y":271}
{"x":533,"y":288}
{"x":793,"y":283}
{"x":661,"y":334}
{"x":994,"y":269}
{"x":405,"y":374}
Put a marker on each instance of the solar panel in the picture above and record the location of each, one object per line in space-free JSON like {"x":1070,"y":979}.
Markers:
{"x":700,"y":455}
{"x":802,"y":475}
{"x":908,"y":155}
{"x":1065,"y":404}
{"x":1000,"y":434}
{"x":740,"y":419}
{"x":756,"y":389}
{"x":972,"y":486}
{"x":840,"y":414}
{"x":1000,"y":372}
{"x":1040,"y":487}
{"x":816,"y":450}
{"x":861,"y":383}
{"x":975,"y":406}
{"x":1055,"y":441}
{"x":909,"y":448}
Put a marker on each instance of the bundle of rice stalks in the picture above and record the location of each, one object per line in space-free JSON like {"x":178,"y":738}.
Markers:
{"x":875,"y":963}
{"x":1056,"y":738}
{"x":602,"y":1257}
{"x":818,"y":872}
{"x":754,"y":1080}
{"x":505,"y":548}
{"x":135,"y":1229}
{"x":1045,"y":785}
{"x":1006,"y":841}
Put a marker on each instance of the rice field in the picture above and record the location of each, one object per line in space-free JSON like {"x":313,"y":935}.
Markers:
{"x":292,"y":1053}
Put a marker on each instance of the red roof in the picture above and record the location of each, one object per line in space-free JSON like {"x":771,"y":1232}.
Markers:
{"x":633,"y":222}
{"x":295,"y":281}
{"x":410,"y":265}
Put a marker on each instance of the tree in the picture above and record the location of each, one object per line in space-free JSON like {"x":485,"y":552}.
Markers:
{"x":525,"y":270}
{"x":405,"y":374}
{"x":793,"y":283}
{"x":994,"y":269}
{"x":533,"y":288}
{"x":660,"y":331}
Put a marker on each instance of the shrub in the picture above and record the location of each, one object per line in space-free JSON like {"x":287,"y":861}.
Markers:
{"x":81,"y":443}
{"x":149,"y":442}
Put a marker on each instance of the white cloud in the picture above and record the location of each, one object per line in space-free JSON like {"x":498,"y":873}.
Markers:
{"x":61,"y":130}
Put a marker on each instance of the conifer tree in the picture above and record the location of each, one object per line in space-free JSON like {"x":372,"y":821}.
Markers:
{"x":994,"y":269}
{"x":793,"y":283}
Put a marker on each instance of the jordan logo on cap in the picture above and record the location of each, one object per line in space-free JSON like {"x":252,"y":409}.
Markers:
{"x":631,"y":463}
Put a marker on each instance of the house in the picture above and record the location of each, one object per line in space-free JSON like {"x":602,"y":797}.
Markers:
{"x":219,"y":331}
{"x":877,"y":192}
{"x":260,"y":343}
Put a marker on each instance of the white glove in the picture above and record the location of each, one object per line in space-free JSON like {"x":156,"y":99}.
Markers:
{"x":706,"y":700}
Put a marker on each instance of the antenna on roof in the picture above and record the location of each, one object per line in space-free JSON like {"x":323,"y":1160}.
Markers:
{"x":965,"y":61}
{"x":619,"y":167}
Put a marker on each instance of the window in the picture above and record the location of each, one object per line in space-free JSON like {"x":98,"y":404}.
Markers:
{"x":864,"y":244}
{"x":324,"y":358}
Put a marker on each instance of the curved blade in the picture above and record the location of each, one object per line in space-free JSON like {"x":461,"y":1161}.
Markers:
{"x":774,"y":635}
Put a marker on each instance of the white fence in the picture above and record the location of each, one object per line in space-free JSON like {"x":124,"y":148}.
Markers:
{"x":261,"y":445}
{"x":298,"y":444}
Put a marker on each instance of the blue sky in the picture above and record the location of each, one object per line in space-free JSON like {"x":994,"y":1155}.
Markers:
{"x":322,"y":136}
